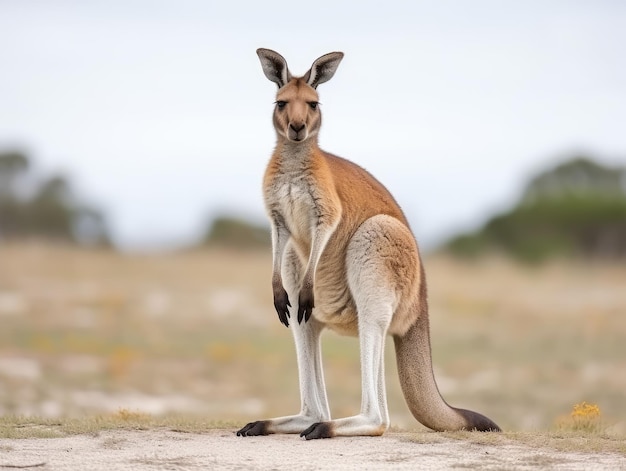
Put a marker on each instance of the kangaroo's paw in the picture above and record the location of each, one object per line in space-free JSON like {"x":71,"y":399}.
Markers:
{"x":281,"y":303}
{"x":305,"y":305}
{"x":253,"y":429}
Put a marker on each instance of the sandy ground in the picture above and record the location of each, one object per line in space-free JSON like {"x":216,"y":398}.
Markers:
{"x":221,"y":449}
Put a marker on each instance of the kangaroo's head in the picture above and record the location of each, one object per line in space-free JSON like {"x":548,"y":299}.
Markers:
{"x":297,"y":115}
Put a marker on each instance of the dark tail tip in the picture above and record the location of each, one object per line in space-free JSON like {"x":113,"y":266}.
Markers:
{"x":478,"y":422}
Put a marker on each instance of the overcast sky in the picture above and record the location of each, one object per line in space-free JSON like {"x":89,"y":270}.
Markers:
{"x":160,"y":113}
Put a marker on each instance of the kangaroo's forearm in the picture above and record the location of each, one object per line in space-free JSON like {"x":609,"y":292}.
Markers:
{"x":280,"y":237}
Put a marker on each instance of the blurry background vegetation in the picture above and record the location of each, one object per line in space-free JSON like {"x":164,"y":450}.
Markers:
{"x":576,"y":209}
{"x":229,"y":231}
{"x":44,"y":207}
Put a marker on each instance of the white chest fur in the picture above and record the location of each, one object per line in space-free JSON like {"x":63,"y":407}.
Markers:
{"x":293,"y":199}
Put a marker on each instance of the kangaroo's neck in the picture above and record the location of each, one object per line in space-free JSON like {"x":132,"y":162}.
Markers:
{"x":296,"y":156}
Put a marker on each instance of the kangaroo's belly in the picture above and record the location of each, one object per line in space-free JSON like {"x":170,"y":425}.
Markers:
{"x":334,"y":305}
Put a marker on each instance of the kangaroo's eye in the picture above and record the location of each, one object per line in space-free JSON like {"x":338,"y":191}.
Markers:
{"x":313,"y":104}
{"x":281,"y":104}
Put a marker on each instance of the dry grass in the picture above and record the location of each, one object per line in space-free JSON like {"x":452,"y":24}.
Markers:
{"x":193,"y":337}
{"x":41,"y":427}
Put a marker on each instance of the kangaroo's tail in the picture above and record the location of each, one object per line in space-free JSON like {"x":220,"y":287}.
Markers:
{"x":420,"y":390}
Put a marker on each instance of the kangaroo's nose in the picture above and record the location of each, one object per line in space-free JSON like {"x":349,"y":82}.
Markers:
{"x":297,"y":127}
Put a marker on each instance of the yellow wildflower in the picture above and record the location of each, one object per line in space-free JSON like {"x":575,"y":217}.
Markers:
{"x":586,"y":411}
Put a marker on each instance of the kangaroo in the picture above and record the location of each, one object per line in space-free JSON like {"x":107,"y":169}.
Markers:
{"x":343,"y":252}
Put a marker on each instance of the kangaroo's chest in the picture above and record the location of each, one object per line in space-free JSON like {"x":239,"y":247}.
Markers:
{"x":293,"y":199}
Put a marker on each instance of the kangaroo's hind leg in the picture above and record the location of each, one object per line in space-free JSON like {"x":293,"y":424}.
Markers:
{"x":380,"y":251}
{"x":314,"y":403}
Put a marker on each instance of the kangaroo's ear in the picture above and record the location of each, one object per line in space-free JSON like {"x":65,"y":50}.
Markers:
{"x":323,"y":69}
{"x":274,"y":66}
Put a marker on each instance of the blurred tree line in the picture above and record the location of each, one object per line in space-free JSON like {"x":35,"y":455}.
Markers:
{"x":231,"y":232}
{"x":46,"y":208}
{"x":577,"y":208}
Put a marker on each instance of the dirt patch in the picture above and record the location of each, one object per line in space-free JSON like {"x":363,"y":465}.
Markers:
{"x":221,"y":449}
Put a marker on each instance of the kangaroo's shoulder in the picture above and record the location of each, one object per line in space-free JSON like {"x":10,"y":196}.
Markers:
{"x":358,"y":187}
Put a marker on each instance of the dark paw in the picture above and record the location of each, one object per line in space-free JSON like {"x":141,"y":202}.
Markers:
{"x":282,"y":305}
{"x":318,"y":430}
{"x":253,"y":429}
{"x":305,"y":305}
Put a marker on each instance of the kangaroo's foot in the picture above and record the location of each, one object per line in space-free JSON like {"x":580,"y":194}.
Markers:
{"x":358,"y":425}
{"x":288,"y":424}
{"x":254,"y":428}
{"x":318,"y":430}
